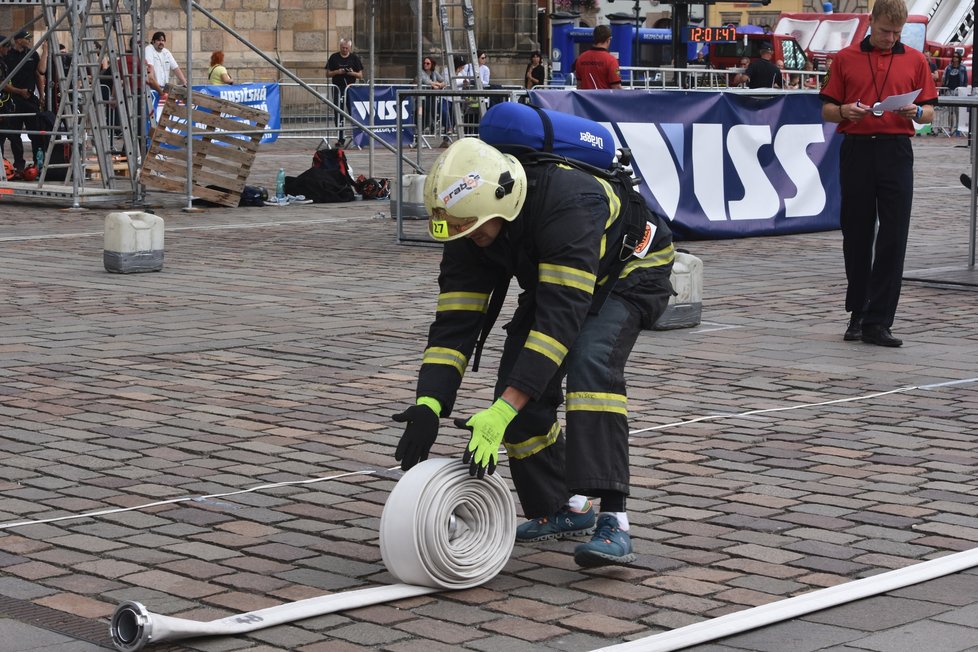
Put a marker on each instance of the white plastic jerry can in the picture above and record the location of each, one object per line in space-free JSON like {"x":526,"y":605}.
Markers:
{"x":133,"y":242}
{"x":686,"y":308}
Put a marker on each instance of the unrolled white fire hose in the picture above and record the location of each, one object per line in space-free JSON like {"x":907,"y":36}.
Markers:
{"x":766,"y":614}
{"x":440,"y":530}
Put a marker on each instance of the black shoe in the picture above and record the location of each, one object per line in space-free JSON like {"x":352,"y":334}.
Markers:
{"x":880,"y":335}
{"x":854,"y":331}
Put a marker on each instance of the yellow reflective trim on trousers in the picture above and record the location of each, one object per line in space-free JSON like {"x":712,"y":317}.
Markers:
{"x":533,"y":445}
{"x":546,"y":346}
{"x":567,"y":276}
{"x":597,"y":402}
{"x":475,"y":301}
{"x":654,"y":259}
{"x":441,"y":355}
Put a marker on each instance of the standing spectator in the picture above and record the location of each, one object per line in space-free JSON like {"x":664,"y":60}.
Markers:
{"x":343,"y":68}
{"x":763,"y":73}
{"x":955,"y":78}
{"x":160,"y":63}
{"x":932,"y":64}
{"x":6,"y":95}
{"x":217,"y":74}
{"x":536,"y":74}
{"x":22,"y":86}
{"x":876,"y":165}
{"x":597,"y":67}
{"x":430,"y":79}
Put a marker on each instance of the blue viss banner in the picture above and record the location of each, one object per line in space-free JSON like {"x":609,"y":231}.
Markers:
{"x":385,"y":113}
{"x":722,"y":165}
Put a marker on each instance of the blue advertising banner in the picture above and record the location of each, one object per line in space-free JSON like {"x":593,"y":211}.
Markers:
{"x":260,"y":96}
{"x":722,"y":165}
{"x":385,"y":116}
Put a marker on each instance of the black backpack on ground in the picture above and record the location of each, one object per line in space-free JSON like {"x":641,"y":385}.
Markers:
{"x":321,"y":186}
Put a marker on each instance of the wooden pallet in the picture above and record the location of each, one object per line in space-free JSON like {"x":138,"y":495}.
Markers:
{"x":221,"y":160}
{"x":120,"y":168}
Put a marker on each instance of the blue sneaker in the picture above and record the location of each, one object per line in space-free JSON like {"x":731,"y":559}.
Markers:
{"x":609,"y":545}
{"x":565,"y":523}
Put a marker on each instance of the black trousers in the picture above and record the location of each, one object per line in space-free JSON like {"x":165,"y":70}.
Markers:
{"x":876,"y":178}
{"x":547,"y":467}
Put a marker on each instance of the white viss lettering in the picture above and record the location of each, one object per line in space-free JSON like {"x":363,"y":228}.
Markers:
{"x":708,"y":178}
{"x":761,"y":200}
{"x":653,"y":157}
{"x":810,"y":196}
{"x":661,"y":175}
{"x":386,"y":110}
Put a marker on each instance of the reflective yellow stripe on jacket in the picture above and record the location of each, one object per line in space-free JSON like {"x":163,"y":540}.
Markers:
{"x":546,"y":346}
{"x":567,"y":277}
{"x":658,"y":258}
{"x":450,"y":357}
{"x":476,"y":301}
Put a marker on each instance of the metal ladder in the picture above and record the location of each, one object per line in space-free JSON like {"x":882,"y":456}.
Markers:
{"x":89,"y":120}
{"x":458,"y":18}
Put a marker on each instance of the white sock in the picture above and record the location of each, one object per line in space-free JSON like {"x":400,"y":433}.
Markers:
{"x":622,"y":520}
{"x":577,"y":502}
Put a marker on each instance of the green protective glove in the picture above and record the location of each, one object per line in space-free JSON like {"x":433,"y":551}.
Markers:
{"x":487,"y":429}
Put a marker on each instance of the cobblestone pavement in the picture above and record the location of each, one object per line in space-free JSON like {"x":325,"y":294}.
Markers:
{"x":276,"y":343}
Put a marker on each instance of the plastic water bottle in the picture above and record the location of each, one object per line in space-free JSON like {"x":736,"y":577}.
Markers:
{"x":39,"y":159}
{"x":280,"y":184}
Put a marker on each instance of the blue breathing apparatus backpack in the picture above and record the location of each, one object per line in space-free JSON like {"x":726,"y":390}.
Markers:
{"x":511,"y":124}
{"x":537,"y":136}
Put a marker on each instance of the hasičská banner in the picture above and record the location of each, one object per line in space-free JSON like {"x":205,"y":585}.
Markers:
{"x":722,"y":165}
{"x":262,"y":96}
{"x":385,"y":115}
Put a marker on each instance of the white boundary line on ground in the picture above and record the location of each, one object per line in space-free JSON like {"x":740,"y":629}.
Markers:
{"x":711,"y":417}
{"x":202,"y":227}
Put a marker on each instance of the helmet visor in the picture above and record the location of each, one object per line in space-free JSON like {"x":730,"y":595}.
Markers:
{"x":444,"y":226}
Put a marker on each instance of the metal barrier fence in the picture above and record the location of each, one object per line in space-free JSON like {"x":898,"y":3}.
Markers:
{"x":304,"y":115}
{"x":950,"y":120}
{"x":708,"y":78}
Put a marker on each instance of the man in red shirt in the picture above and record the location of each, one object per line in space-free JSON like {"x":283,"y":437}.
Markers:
{"x":876,"y":165}
{"x":597,"y":68}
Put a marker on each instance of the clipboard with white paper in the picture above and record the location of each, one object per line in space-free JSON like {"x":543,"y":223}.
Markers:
{"x":895,"y":102}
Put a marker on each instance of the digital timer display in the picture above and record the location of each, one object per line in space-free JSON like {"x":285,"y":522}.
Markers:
{"x":696,"y":34}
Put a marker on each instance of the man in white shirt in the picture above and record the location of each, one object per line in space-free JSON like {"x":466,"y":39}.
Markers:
{"x":160,"y":63}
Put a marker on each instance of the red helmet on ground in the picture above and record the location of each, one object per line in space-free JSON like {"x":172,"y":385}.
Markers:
{"x":29,"y":173}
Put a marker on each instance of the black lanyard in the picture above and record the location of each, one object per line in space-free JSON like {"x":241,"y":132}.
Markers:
{"x":872,"y":72}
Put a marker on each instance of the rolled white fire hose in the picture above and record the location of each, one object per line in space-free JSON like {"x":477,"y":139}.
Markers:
{"x":440,"y":530}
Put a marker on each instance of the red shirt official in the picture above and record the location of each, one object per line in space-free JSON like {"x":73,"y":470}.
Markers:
{"x":597,"y":68}
{"x":868,"y":75}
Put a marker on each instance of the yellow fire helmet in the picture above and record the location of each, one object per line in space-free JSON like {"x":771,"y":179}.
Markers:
{"x":469,"y":184}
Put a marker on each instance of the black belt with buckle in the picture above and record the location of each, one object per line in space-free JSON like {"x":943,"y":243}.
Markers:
{"x":876,"y":136}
